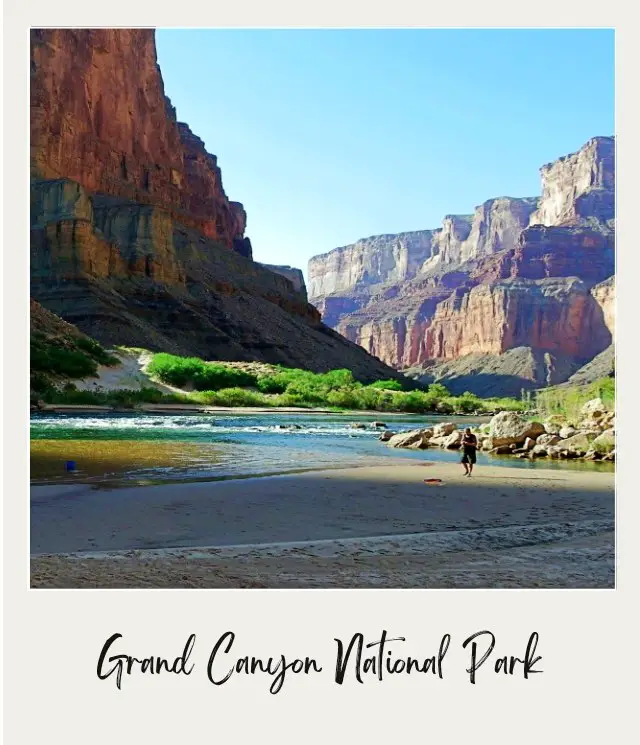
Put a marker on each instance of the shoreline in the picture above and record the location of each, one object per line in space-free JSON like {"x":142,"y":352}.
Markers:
{"x":196,"y":408}
{"x":370,"y":526}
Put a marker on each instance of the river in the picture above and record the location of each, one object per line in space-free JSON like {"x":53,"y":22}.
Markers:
{"x":143,"y":448}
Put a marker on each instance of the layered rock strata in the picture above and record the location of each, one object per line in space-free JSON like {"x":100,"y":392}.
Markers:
{"x":495,"y":281}
{"x":100,"y":117}
{"x":133,"y":238}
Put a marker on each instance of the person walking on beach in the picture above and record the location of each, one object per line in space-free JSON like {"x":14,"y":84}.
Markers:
{"x":469,"y":447}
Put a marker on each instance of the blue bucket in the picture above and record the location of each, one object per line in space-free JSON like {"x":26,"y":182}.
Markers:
{"x":70,"y":465}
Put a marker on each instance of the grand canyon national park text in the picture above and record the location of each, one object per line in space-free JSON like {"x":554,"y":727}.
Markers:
{"x":357,"y":658}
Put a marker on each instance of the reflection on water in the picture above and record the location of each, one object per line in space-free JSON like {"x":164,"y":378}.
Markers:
{"x":152,"y":448}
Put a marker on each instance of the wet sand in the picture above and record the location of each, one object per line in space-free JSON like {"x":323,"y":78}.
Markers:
{"x":357,"y":527}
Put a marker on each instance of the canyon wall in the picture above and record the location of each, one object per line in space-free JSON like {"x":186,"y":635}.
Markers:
{"x":100,"y":117}
{"x":295,"y":276}
{"x":579,"y":186}
{"x":526,"y":274}
{"x":370,"y":261}
{"x":604,"y":294}
{"x":133,"y":238}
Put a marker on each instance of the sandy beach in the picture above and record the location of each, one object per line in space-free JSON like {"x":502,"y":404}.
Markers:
{"x":353,"y":527}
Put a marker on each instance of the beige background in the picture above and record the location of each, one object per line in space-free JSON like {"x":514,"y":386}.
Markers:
{"x":52,"y":638}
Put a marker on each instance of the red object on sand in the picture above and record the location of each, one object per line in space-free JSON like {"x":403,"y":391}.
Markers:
{"x":432,"y":481}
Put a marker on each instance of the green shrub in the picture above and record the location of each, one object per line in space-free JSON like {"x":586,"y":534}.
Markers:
{"x":122,"y":398}
{"x":569,"y":400}
{"x":203,"y":376}
{"x":344,"y":398}
{"x":72,"y":358}
{"x":287,"y":399}
{"x":40,"y":383}
{"x":97,"y":351}
{"x":504,"y":404}
{"x":272,"y":384}
{"x":58,"y":360}
{"x":438,"y":391}
{"x":239,"y":397}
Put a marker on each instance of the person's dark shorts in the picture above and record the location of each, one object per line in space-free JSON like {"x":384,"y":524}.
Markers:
{"x":469,"y":455}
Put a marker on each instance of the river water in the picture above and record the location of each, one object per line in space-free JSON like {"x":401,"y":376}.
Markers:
{"x":142,"y":448}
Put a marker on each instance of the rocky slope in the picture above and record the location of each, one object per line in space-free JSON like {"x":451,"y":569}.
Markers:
{"x":529,"y":277}
{"x":133,"y":238}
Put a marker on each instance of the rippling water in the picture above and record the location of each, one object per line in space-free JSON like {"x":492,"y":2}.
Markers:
{"x":152,"y":448}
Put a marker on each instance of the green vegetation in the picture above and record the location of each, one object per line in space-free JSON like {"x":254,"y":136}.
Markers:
{"x":74,"y":357}
{"x":122,"y":398}
{"x":568,"y":400}
{"x":219,"y":384}
{"x":192,"y":371}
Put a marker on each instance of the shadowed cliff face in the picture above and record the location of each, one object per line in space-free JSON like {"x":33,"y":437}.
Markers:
{"x":133,"y":238}
{"x":294,"y":275}
{"x":516,"y":274}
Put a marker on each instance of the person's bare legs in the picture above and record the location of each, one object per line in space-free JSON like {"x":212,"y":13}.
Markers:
{"x":466,"y":468}
{"x":470,"y":469}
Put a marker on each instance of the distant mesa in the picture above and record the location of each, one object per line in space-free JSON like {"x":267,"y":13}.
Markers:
{"x":520,"y":294}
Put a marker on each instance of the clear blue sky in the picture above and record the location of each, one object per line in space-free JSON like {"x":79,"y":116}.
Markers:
{"x":327,"y":136}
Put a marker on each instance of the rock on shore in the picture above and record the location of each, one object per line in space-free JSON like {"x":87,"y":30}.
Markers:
{"x":510,"y":433}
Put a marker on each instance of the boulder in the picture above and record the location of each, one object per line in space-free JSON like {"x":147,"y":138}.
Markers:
{"x":529,"y":443}
{"x":566,"y":432}
{"x":554,"y":423}
{"x":608,"y":421}
{"x":599,"y":424}
{"x":487,"y":444}
{"x":610,"y":456}
{"x":408,"y":439}
{"x":501,"y":450}
{"x":548,"y":439}
{"x":418,"y":445}
{"x":538,"y":451}
{"x":593,"y":409}
{"x":378,"y":425}
{"x":453,"y":441}
{"x":443,"y":429}
{"x":357,"y":425}
{"x":605,"y":442}
{"x":577,"y":445}
{"x":564,"y":453}
{"x":596,"y":416}
{"x":386,"y":436}
{"x":553,"y":451}
{"x":509,"y":428}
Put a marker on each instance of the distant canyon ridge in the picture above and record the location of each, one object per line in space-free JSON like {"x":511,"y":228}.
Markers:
{"x":518,"y":295}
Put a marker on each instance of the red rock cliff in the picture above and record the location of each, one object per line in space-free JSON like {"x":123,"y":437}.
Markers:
{"x":100,"y":117}
{"x":494,"y":281}
{"x":133,"y":239}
